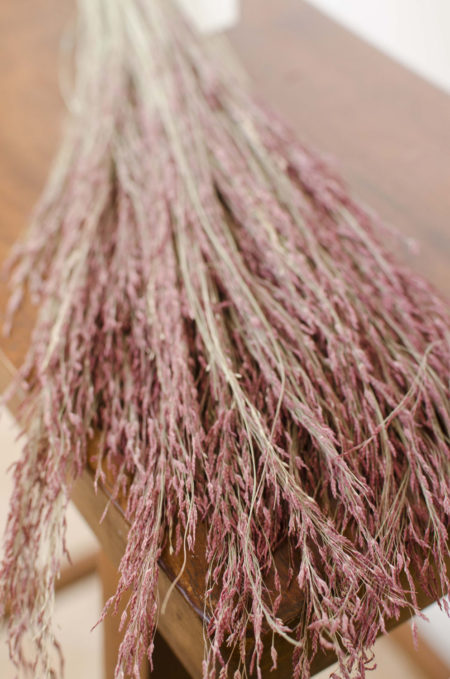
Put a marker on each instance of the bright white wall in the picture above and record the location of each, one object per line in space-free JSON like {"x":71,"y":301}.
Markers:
{"x":416,"y":32}
{"x":211,"y":15}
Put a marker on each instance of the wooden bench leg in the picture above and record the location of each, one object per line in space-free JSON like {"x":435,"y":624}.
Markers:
{"x":165,"y":663}
{"x":112,"y":637}
{"x":81,"y":568}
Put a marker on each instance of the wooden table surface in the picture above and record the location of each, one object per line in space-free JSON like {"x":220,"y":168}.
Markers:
{"x":387,"y":131}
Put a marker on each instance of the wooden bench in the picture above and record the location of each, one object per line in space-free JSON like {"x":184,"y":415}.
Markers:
{"x":388,"y":128}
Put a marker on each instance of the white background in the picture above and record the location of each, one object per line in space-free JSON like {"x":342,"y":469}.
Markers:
{"x":211,"y":15}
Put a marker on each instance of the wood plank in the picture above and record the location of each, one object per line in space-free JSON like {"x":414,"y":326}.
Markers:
{"x":386,"y":129}
{"x":180,"y":624}
{"x":112,"y":634}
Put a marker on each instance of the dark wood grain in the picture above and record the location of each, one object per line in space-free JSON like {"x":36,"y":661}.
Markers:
{"x":388,"y":129}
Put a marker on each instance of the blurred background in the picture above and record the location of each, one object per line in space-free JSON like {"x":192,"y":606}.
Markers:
{"x":414,"y":32}
{"x":417,"y":34}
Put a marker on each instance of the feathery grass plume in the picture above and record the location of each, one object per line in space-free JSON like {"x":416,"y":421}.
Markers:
{"x":216,"y":304}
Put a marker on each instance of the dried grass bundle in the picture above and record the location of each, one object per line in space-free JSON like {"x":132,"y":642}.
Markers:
{"x":217,"y":305}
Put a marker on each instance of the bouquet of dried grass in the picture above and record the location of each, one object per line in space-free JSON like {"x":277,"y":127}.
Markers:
{"x":217,"y":305}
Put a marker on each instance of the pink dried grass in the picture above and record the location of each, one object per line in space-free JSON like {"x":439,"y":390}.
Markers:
{"x":217,"y":305}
